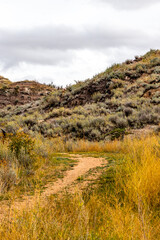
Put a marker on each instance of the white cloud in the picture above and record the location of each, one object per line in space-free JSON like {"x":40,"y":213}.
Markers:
{"x":72,"y":40}
{"x":127,"y":4}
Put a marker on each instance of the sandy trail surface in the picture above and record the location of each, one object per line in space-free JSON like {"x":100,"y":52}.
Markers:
{"x":83,"y":165}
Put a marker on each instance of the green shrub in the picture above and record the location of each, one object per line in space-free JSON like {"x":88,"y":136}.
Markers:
{"x":117,"y":133}
{"x":155,"y":62}
{"x":21,"y":141}
{"x":157,"y":70}
{"x":118,"y":121}
{"x":30,"y":122}
{"x":12,"y":127}
{"x":128,"y":111}
{"x":147,"y":117}
{"x":97,"y":96}
{"x":95,"y":134}
{"x":52,"y":101}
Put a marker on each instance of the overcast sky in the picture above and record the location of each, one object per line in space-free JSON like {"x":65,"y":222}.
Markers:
{"x":61,"y":41}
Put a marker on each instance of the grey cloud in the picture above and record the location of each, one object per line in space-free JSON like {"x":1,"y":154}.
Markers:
{"x":55,"y":45}
{"x":12,"y":56}
{"x":131,"y":5}
{"x":64,"y":38}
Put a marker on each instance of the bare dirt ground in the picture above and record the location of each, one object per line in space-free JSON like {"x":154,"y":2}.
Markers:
{"x":7,"y":208}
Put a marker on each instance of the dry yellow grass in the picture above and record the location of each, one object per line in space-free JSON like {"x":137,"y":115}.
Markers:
{"x":86,"y":146}
{"x":60,"y":145}
{"x":127,"y":208}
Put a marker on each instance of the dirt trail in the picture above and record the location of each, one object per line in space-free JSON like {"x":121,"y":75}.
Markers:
{"x":83,"y":166}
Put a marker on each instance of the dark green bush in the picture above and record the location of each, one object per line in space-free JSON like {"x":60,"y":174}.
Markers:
{"x":117,"y":133}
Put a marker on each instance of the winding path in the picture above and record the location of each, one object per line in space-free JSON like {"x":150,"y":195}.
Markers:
{"x":83,"y":166}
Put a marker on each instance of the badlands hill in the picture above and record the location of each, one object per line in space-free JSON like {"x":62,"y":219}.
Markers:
{"x":124,"y":97}
{"x":20,"y":93}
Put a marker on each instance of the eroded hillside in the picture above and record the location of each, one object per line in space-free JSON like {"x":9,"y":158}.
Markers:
{"x":124,"y":97}
{"x":20,"y":93}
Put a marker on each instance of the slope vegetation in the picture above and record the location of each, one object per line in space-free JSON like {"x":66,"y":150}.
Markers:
{"x":124,"y":97}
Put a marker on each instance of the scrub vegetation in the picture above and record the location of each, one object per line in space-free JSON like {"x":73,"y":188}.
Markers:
{"x":126,"y":96}
{"x":114,"y":116}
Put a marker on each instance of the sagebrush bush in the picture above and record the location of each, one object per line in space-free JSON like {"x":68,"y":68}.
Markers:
{"x":12,"y":127}
{"x":119,"y":122}
{"x":97,"y":96}
{"x":52,"y":101}
{"x":128,"y":111}
{"x":146,"y":117}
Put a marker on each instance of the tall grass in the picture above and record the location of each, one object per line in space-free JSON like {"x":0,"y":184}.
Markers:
{"x":86,"y":146}
{"x":125,"y":205}
{"x":45,"y":146}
